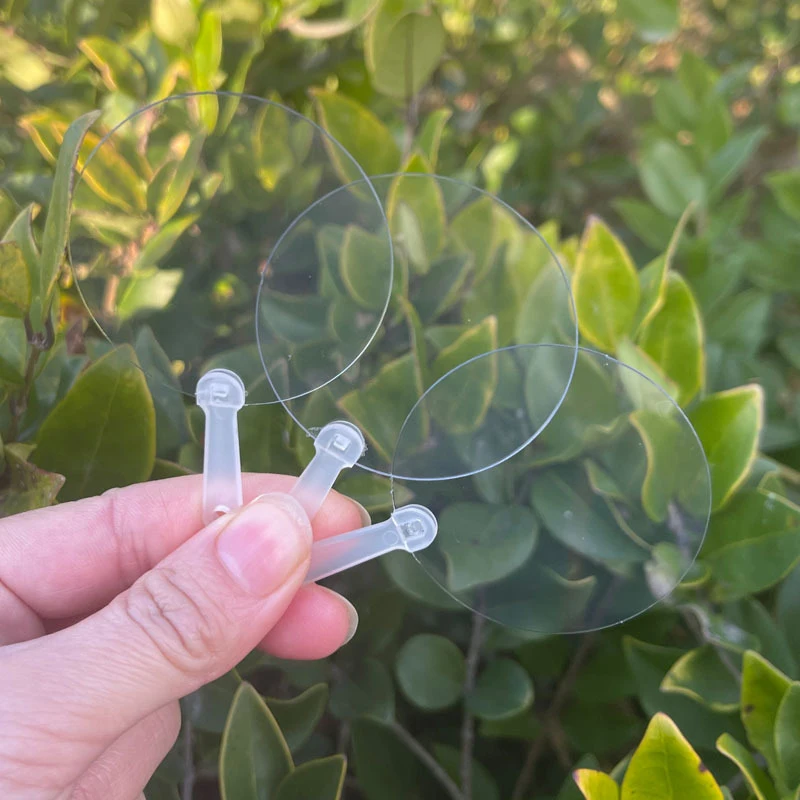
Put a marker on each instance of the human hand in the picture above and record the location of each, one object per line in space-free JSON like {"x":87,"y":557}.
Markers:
{"x":112,"y":608}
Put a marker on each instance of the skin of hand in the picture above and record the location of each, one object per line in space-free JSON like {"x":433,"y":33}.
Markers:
{"x":112,"y":608}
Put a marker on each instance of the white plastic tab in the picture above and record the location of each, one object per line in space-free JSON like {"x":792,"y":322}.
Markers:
{"x":338,"y":446}
{"x":221,"y":393}
{"x":410,"y":528}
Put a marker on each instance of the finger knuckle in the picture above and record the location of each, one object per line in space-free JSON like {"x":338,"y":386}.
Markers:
{"x":179,"y":618}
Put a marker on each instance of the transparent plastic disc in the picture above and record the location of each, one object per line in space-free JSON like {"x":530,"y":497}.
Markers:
{"x":589,"y":525}
{"x":185,"y":208}
{"x":470,"y":275}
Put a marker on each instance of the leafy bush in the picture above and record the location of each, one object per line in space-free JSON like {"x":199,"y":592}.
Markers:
{"x":655,"y":146}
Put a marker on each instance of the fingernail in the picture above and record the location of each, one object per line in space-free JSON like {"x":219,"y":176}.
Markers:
{"x":265,"y":543}
{"x":352,"y":615}
{"x":365,"y":517}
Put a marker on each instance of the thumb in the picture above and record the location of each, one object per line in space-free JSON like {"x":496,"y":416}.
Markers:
{"x":184,"y":623}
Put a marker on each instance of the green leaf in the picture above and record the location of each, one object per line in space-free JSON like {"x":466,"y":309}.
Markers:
{"x":503,"y":690}
{"x":409,"y":576}
{"x":25,"y":486}
{"x":102,"y":434}
{"x":785,"y":186}
{"x":298,"y":717}
{"x":763,"y":689}
{"x":321,"y":779}
{"x":361,"y":264}
{"x":430,"y":134}
{"x":673,"y":338}
{"x":162,"y":242}
{"x":652,"y":226}
{"x":483,"y":543}
{"x":209,"y":706}
{"x":14,"y":352}
{"x":430,"y":670}
{"x":365,"y":692}
{"x":702,"y":675}
{"x":787,"y":739}
{"x":172,"y":429}
{"x":729,"y":424}
{"x":654,"y":20}
{"x":205,"y":60}
{"x":174,"y":192}
{"x":386,"y":768}
{"x":15,"y":285}
{"x":56,"y":227}
{"x":118,"y":66}
{"x":756,"y":778}
{"x":21,"y":232}
{"x":173,"y":21}
{"x":728,"y":162}
{"x":665,"y":767}
{"x":253,"y":756}
{"x":596,"y":785}
{"x":150,"y":289}
{"x":752,"y":543}
{"x":483,"y":784}
{"x":402,"y":49}
{"x":669,"y":177}
{"x":474,"y":230}
{"x":360,"y":133}
{"x":606,"y":287}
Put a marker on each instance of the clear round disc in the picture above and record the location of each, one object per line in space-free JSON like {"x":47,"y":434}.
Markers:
{"x":186,"y":208}
{"x":470,"y":276}
{"x":593,"y":522}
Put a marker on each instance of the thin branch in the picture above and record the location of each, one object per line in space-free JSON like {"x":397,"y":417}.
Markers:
{"x":550,"y":718}
{"x":430,"y":762}
{"x":468,"y":722}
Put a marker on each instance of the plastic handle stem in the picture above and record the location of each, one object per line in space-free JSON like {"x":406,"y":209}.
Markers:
{"x":221,"y":393}
{"x":409,"y":528}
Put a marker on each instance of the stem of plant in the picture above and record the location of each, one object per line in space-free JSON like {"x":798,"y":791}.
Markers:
{"x":468,"y":722}
{"x":189,"y":774}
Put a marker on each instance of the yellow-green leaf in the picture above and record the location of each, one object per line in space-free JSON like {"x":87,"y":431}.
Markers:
{"x":673,"y":338}
{"x":763,"y":689}
{"x":102,"y":434}
{"x":15,"y":284}
{"x":596,"y":785}
{"x":119,"y":68}
{"x":321,"y":779}
{"x":665,"y":767}
{"x":253,"y":756}
{"x":175,"y":190}
{"x":360,"y":133}
{"x":756,"y":778}
{"x":729,"y":424}
{"x":173,"y":21}
{"x":205,"y":61}
{"x":787,"y":737}
{"x":13,"y":352}
{"x":606,"y":287}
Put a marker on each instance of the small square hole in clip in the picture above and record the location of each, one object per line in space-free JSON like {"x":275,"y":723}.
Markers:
{"x":340,"y":443}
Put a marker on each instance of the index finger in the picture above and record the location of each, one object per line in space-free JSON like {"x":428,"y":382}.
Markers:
{"x":71,"y":559}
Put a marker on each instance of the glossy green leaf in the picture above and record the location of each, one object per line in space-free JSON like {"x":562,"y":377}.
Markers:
{"x":596,"y":785}
{"x":297,"y":718}
{"x":402,"y":49}
{"x":669,"y":177}
{"x":756,"y":778}
{"x":483,"y":543}
{"x":503,"y":690}
{"x":473,"y":229}
{"x":409,"y":576}
{"x":205,"y":60}
{"x":763,"y":689}
{"x":150,"y":289}
{"x":174,"y":191}
{"x":673,"y":338}
{"x":173,"y":21}
{"x":606,"y":287}
{"x":385,"y":767}
{"x":665,"y":767}
{"x":14,"y":352}
{"x":253,"y":756}
{"x":430,"y":134}
{"x":442,"y":287}
{"x":654,"y":20}
{"x":360,"y":132}
{"x":56,"y":227}
{"x":729,"y":424}
{"x":430,"y":670}
{"x":365,"y":692}
{"x":102,"y":434}
{"x":787,"y":740}
{"x":702,"y":675}
{"x":364,"y":269}
{"x":753,"y":542}
{"x":728,"y":162}
{"x":652,"y":226}
{"x":321,"y":779}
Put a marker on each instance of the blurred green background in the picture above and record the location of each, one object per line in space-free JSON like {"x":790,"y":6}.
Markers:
{"x":654,"y":143}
